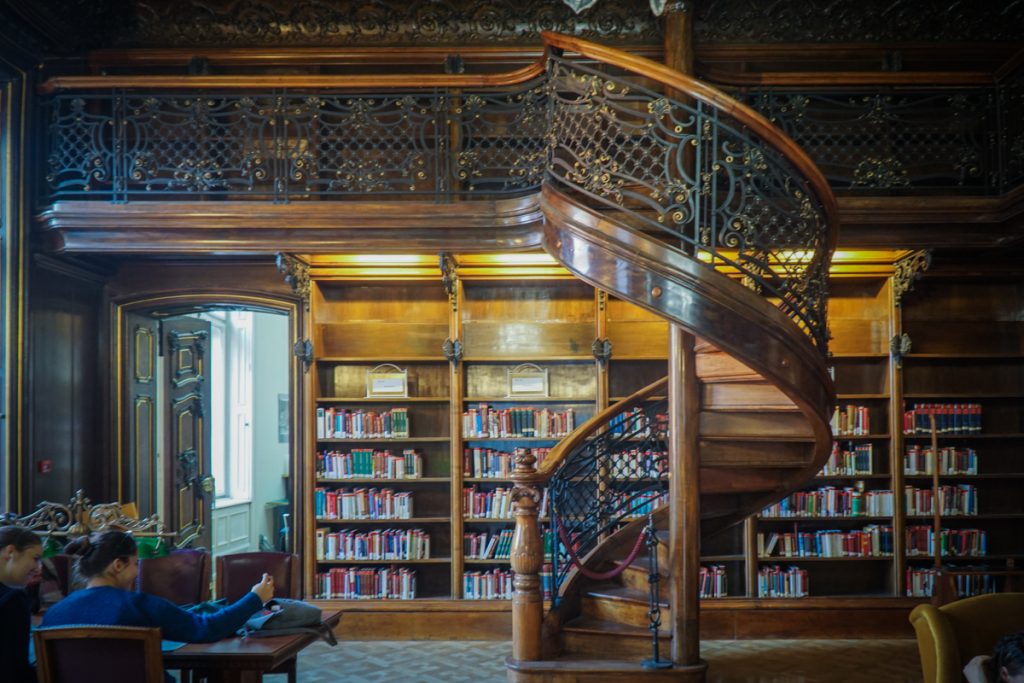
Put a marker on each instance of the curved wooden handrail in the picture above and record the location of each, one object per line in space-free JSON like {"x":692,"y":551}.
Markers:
{"x":556,"y":456}
{"x":756,"y":122}
{"x":303,"y":82}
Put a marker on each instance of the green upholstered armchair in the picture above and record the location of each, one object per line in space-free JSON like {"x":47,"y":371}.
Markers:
{"x":949,"y":636}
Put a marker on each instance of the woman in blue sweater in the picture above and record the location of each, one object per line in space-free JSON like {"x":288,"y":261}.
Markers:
{"x":108,"y":561}
{"x":20,"y":551}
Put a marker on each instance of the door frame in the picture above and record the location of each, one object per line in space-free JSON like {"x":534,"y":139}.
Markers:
{"x":299,"y":382}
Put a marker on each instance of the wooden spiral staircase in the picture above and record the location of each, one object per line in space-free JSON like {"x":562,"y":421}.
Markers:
{"x":750,"y":398}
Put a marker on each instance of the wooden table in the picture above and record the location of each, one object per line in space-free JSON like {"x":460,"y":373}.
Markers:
{"x":234,"y":660}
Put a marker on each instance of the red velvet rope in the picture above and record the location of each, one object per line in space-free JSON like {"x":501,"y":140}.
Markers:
{"x":599,"y":576}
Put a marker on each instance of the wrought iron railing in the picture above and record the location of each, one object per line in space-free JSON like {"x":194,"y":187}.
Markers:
{"x":616,"y":476}
{"x":284,"y":146}
{"x":695,"y":175}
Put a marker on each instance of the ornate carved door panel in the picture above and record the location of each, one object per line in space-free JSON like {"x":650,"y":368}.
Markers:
{"x":187,"y":468}
{"x":141,"y":344}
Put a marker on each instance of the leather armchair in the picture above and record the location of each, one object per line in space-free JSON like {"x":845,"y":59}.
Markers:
{"x":950,"y":636}
{"x":182,"y":576}
{"x":236,"y":574}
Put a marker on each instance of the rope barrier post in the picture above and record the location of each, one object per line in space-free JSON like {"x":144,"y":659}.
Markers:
{"x":654,"y":613}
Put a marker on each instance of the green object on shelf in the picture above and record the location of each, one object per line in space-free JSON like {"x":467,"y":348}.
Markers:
{"x":152,"y":547}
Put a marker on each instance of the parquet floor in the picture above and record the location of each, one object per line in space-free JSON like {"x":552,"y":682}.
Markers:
{"x":730,"y":661}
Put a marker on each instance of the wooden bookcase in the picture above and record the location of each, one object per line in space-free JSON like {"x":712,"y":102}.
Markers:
{"x":967,"y":346}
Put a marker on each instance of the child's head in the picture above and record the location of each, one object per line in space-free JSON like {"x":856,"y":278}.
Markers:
{"x":1007,"y":663}
{"x":20,"y":555}
{"x":108,"y":555}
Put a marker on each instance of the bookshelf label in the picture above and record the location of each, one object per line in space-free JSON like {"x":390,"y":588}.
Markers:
{"x":527,"y":380}
{"x":387,"y":381}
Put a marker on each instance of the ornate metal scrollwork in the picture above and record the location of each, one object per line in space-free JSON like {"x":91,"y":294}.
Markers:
{"x":296,"y":276}
{"x":303,"y":350}
{"x":908,"y":270}
{"x":602,"y":350}
{"x":81,"y":517}
{"x":452,"y":350}
{"x":899,"y":347}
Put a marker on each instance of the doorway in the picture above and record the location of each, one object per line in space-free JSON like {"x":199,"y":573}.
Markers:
{"x":208,"y":422}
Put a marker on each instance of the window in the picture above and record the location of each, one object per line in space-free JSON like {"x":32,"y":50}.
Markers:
{"x":231,"y":368}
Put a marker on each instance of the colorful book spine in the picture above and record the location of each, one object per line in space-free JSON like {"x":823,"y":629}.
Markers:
{"x":950,"y":418}
{"x":363,"y":583}
{"x":342,"y":423}
{"x":495,"y":584}
{"x":385,"y":544}
{"x":776,"y":582}
{"x":487,"y":422}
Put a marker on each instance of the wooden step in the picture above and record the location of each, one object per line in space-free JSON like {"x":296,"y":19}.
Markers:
{"x":621,"y":604}
{"x":754,"y":426}
{"x":585,"y":669}
{"x":608,"y":639}
{"x":745,"y":396}
{"x":721,"y":367}
{"x":634,"y":578}
{"x":749,"y":480}
{"x":744,"y":454}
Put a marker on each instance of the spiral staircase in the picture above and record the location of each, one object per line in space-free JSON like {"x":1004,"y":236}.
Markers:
{"x":670,"y":195}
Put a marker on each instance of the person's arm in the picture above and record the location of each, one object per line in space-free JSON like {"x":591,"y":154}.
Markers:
{"x":178,"y":624}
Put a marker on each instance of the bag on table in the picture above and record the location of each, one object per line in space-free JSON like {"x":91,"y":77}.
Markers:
{"x":281,"y":617}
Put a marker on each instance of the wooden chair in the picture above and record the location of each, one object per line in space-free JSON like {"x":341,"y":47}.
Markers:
{"x":99,"y":654}
{"x":950,"y":636}
{"x":183,"y":576}
{"x":236,"y":575}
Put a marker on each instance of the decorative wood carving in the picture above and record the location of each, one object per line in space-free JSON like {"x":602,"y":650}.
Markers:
{"x":602,"y":350}
{"x":296,"y":276}
{"x":899,"y":347}
{"x":452,"y":350}
{"x":80,"y":517}
{"x":303,"y":350}
{"x":908,"y":270}
{"x":449,"y":278}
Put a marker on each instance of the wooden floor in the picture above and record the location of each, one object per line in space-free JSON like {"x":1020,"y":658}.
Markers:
{"x":730,"y":661}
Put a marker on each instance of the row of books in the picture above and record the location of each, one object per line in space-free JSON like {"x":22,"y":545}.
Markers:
{"x":342,"y":423}
{"x":633,"y":424}
{"x":638,"y":464}
{"x":637,"y":504}
{"x":491,"y":463}
{"x":849,"y":462}
{"x":830,"y":501}
{"x":354,"y":583}
{"x":950,"y":418}
{"x":485,"y":422}
{"x":871,"y":541}
{"x":959,"y":542}
{"x":362,"y":503}
{"x":918,"y":460}
{"x":494,"y":584}
{"x":368,"y":463}
{"x":382,"y":544}
{"x":713,"y":582}
{"x":851,"y":420}
{"x":920,"y":583}
{"x":958,"y":499}
{"x":776,"y":582}
{"x":495,"y":504}
{"x":484,"y":546}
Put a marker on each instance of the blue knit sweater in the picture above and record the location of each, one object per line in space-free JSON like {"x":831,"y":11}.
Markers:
{"x":106,"y":606}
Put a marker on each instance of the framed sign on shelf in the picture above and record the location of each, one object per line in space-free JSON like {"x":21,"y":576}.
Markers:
{"x":387,"y":381}
{"x":527,"y":380}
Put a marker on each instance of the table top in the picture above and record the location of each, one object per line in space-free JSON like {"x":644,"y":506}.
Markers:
{"x":262,"y":653}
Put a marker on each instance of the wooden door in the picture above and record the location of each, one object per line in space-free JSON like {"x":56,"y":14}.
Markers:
{"x":139,"y":471}
{"x":189,"y":483}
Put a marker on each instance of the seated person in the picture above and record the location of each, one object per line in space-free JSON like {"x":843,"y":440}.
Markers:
{"x":1006,"y":665}
{"x":20,"y":552}
{"x":108,"y":562}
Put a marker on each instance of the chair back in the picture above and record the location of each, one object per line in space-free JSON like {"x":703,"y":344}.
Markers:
{"x":62,"y":567}
{"x":98,"y":654}
{"x":950,"y":636}
{"x":236,"y":574}
{"x":182,"y":576}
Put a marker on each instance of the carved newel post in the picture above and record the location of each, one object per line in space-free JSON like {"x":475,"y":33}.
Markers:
{"x":527,"y":559}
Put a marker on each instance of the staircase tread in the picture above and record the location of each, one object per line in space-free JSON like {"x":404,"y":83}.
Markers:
{"x":753,"y":438}
{"x":603,"y":626}
{"x":622,"y":594}
{"x":581,"y":662}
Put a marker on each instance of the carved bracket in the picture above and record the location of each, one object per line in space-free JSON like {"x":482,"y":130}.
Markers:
{"x":449,"y":278}
{"x":908,"y":270}
{"x":452,"y":350}
{"x":296,"y":276}
{"x":602,"y":350}
{"x":303,"y":350}
{"x":899,"y":347}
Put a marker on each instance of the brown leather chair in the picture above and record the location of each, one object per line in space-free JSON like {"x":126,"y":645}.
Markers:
{"x":238,"y":573}
{"x":98,"y":654}
{"x":183,"y":576}
{"x":61,"y":566}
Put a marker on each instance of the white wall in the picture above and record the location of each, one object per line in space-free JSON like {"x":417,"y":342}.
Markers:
{"x":270,"y":457}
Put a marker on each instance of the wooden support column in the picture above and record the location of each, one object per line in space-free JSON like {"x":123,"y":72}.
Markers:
{"x":527,"y":558}
{"x":684,"y":494}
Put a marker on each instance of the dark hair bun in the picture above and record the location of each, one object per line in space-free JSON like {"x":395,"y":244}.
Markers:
{"x":80,"y":546}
